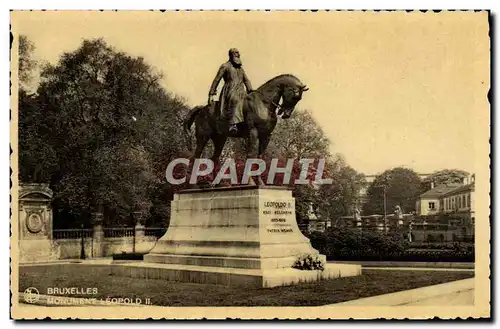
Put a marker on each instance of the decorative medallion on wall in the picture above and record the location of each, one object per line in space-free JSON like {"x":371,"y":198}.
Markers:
{"x":34,"y":223}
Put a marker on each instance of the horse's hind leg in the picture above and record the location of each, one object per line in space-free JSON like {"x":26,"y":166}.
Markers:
{"x":219,"y":142}
{"x":201,"y":141}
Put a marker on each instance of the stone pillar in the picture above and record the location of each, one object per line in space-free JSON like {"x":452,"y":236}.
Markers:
{"x":35,"y":223}
{"x":139,"y":230}
{"x":97,"y":234}
{"x":140,"y":222}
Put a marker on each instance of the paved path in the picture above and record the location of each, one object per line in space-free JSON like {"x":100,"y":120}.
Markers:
{"x":446,"y":294}
{"x":419,"y":269}
{"x":104,"y":260}
{"x":409,"y":264}
{"x":461,"y":298}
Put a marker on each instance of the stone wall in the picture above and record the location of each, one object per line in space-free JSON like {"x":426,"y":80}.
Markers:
{"x":71,"y":248}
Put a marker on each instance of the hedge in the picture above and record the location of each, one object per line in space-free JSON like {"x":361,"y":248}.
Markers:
{"x":346,"y":244}
{"x":128,"y":256}
{"x":406,"y":256}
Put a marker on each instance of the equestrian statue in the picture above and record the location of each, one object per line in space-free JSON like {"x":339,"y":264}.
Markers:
{"x":242,"y":112}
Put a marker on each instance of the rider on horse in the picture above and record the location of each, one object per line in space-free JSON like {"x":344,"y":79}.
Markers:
{"x":233,"y":93}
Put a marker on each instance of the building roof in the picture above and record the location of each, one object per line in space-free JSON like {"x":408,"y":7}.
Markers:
{"x":445,"y":190}
{"x":461,"y":189}
{"x":438,"y":191}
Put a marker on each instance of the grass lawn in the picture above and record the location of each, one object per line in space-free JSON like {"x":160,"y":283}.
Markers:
{"x":167,"y":293}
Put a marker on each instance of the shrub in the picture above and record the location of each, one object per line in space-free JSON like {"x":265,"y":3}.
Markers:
{"x":128,"y":256}
{"x":406,"y":256}
{"x":353,"y":245}
{"x":309,"y":263}
{"x":341,"y":239}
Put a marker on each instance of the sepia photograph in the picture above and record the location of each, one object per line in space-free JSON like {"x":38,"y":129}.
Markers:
{"x":250,"y":164}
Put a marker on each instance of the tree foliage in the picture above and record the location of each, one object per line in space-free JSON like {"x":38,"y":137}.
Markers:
{"x":26,"y":62}
{"x":108,"y":126}
{"x":402,"y":187}
{"x":340,"y":198}
{"x":299,"y":137}
{"x":444,"y":177}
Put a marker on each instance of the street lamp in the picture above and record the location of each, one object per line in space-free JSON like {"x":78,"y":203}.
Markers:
{"x":385,"y":210}
{"x":410,"y":230}
{"x":386,"y":182}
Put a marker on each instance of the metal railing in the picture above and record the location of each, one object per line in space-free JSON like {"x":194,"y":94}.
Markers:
{"x":72,"y":233}
{"x":114,"y":232}
{"x":118,"y":232}
{"x":155,"y":231}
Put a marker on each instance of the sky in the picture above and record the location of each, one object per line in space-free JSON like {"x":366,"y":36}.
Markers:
{"x":388,"y":89}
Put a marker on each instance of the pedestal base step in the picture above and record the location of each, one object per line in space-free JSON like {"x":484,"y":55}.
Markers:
{"x":232,"y":277}
{"x":231,"y":262}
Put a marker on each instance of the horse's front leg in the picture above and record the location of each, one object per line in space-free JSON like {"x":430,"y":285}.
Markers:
{"x":253,"y":152}
{"x":263,"y":142}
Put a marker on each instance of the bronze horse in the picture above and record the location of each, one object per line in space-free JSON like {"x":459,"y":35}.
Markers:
{"x":260,"y":117}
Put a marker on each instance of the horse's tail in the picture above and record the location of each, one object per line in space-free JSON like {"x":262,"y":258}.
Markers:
{"x":190,"y":118}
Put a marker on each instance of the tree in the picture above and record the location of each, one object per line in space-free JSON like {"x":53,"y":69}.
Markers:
{"x":341,"y":197}
{"x":444,"y":177}
{"x":112,"y":128}
{"x":401,"y":186}
{"x":26,"y":62}
{"x":300,"y":136}
{"x":37,"y":158}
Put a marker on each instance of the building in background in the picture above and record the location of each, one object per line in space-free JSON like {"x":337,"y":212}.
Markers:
{"x":446,"y":213}
{"x":443,"y":214}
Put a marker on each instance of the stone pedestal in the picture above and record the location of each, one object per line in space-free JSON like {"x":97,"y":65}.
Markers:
{"x":245,"y":236}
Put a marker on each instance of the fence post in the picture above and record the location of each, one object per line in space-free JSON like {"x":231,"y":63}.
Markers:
{"x":139,"y":229}
{"x":82,"y":242}
{"x":97,"y":234}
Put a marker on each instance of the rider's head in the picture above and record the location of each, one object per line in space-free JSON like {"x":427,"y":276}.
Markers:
{"x":234,"y":56}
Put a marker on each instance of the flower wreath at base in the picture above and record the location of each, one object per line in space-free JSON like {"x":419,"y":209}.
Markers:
{"x":309,"y":263}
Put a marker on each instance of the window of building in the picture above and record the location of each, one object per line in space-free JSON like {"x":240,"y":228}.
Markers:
{"x":468,"y":201}
{"x":459,"y":202}
{"x":432,"y":205}
{"x":463,"y":201}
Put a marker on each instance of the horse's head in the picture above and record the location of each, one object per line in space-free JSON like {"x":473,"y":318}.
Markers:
{"x":291,"y":95}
